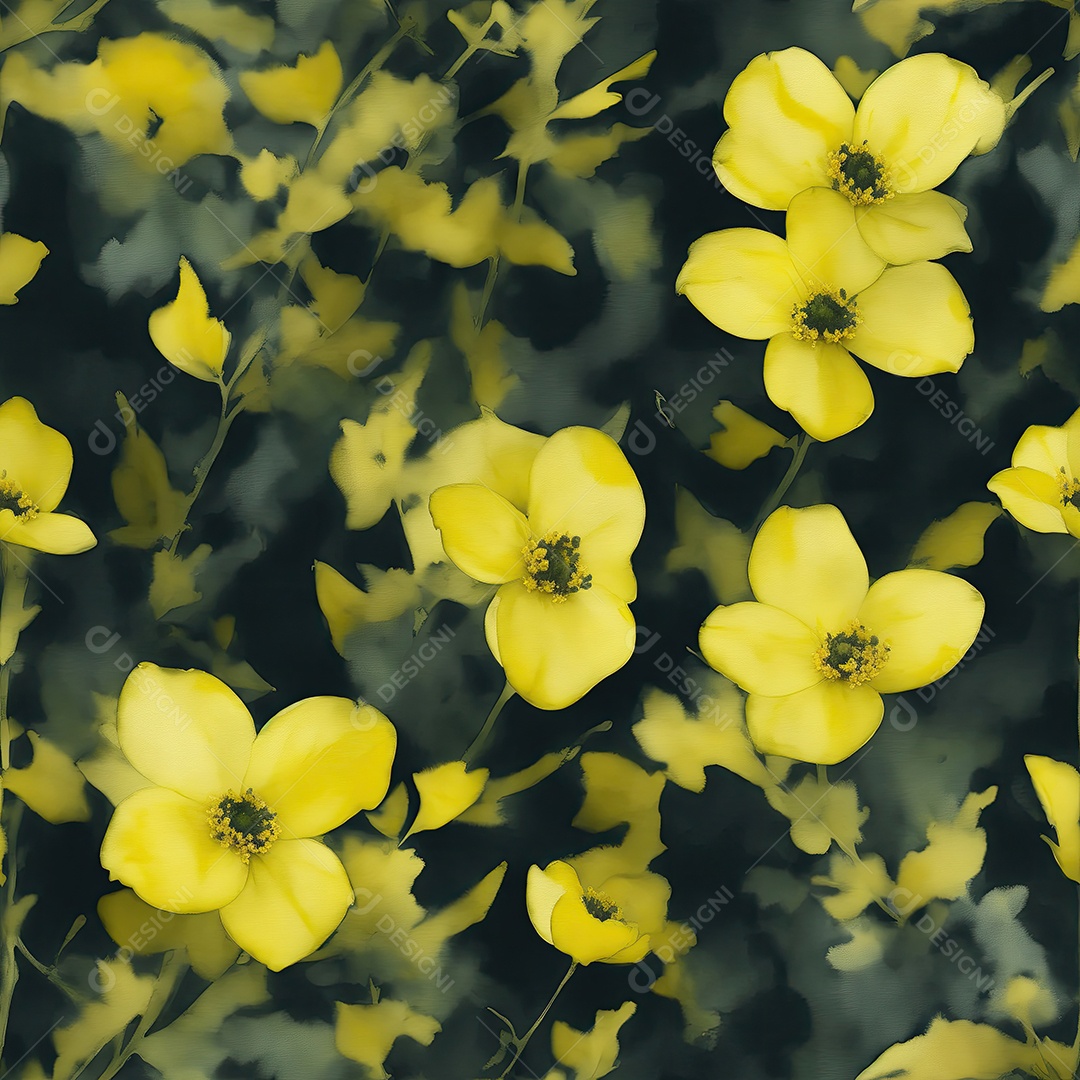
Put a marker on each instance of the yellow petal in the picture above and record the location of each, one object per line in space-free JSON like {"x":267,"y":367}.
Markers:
{"x":367,"y":1033}
{"x":1032,"y":497}
{"x":742,"y":280}
{"x":1058,"y":786}
{"x":19,"y":262}
{"x":147,"y":930}
{"x":445,"y":792}
{"x":581,"y":484}
{"x":184,"y":730}
{"x":914,"y":320}
{"x":927,"y":618}
{"x":925,"y":115}
{"x":785,"y":113}
{"x":819,"y":384}
{"x":744,"y":438}
{"x":956,"y":540}
{"x":1043,"y":448}
{"x":55,"y":534}
{"x":159,"y":843}
{"x":186,"y":335}
{"x":824,"y":724}
{"x":763,"y":649}
{"x":553,"y":654}
{"x":592,"y":1054}
{"x":305,"y":92}
{"x":50,"y":785}
{"x":806,"y":562}
{"x":825,"y":245}
{"x":320,"y":761}
{"x":543,"y":891}
{"x":36,"y":458}
{"x":294,"y":899}
{"x":482,"y":533}
{"x":911,"y":228}
{"x":584,"y":938}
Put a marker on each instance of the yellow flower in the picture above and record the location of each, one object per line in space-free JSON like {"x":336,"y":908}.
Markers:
{"x":791,"y":126}
{"x":819,"y":647}
{"x":1058,"y":786}
{"x":560,"y":621}
{"x":1042,"y":489}
{"x":35,"y":467}
{"x":585,"y":923}
{"x":820,"y":296}
{"x":228,"y":821}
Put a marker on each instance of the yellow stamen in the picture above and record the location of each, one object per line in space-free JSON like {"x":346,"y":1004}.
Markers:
{"x":553,"y":566}
{"x":854,"y":655}
{"x":244,"y":823}
{"x":1070,"y":490}
{"x":17,"y":501}
{"x":860,"y":175}
{"x":830,"y":314}
{"x":600,"y":906}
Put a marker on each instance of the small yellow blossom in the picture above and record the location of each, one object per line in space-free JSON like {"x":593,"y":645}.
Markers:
{"x":229,"y":820}
{"x":821,"y":645}
{"x":1058,"y":786}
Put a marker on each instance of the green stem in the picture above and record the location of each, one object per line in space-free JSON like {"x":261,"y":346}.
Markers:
{"x":9,"y":968}
{"x":76,"y":24}
{"x":802,"y":444}
{"x":493,"y":268}
{"x":478,"y":743}
{"x":524,"y":1040}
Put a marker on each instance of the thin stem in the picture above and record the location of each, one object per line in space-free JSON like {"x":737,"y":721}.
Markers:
{"x":801,"y":446}
{"x":478,"y":743}
{"x":78,"y":23}
{"x":5,"y":720}
{"x":48,"y":972}
{"x":524,"y":1040}
{"x":493,"y":268}
{"x":9,"y":968}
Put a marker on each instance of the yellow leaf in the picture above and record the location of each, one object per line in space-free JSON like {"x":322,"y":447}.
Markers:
{"x":600,"y":97}
{"x":580,"y":155}
{"x":108,"y":768}
{"x":488,"y":809}
{"x":1057,"y":785}
{"x":743,"y":440}
{"x":345,"y":607}
{"x":50,"y":785}
{"x":820,"y":812}
{"x":1032,"y":1004}
{"x":335,"y":297}
{"x":489,"y":376}
{"x":389,"y":817}
{"x":305,"y":92}
{"x":900,"y":23}
{"x":857,"y":883}
{"x":626,"y":242}
{"x":953,"y":1050}
{"x":1063,"y":285}
{"x":434,"y":931}
{"x":146,"y":500}
{"x":222,"y":22}
{"x":475,"y":34}
{"x":686,"y":745}
{"x":591,"y":1054}
{"x":144,"y":930}
{"x":382,"y":875}
{"x":852,"y":77}
{"x":445,"y":792}
{"x":953,"y":856}
{"x":865,"y":949}
{"x":366,"y":1033}
{"x":264,"y":175}
{"x":124,"y":996}
{"x":956,"y":540}
{"x":715,"y":546}
{"x":15,"y":616}
{"x":19,"y":262}
{"x":173,"y":584}
{"x":186,"y":335}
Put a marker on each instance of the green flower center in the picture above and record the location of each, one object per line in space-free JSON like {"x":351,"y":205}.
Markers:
{"x":600,"y":906}
{"x":1070,"y":490}
{"x":828,"y":314}
{"x":244,"y":823}
{"x":859,"y":174}
{"x":16,"y":500}
{"x":553,"y":566}
{"x":854,"y":655}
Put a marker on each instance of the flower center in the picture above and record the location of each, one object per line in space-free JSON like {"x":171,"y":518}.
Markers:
{"x":854,"y":655}
{"x":244,"y":823}
{"x":1070,"y":490}
{"x":553,"y":565}
{"x":15,"y":500}
{"x":600,"y":906}
{"x":859,"y":174}
{"x":827,"y":314}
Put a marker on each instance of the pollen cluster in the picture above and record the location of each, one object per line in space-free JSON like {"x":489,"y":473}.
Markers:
{"x":244,"y":823}
{"x":1070,"y":489}
{"x":553,"y":565}
{"x":859,"y":174}
{"x":600,"y":906}
{"x":854,"y":655}
{"x":829,"y":314}
{"x":15,"y":500}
